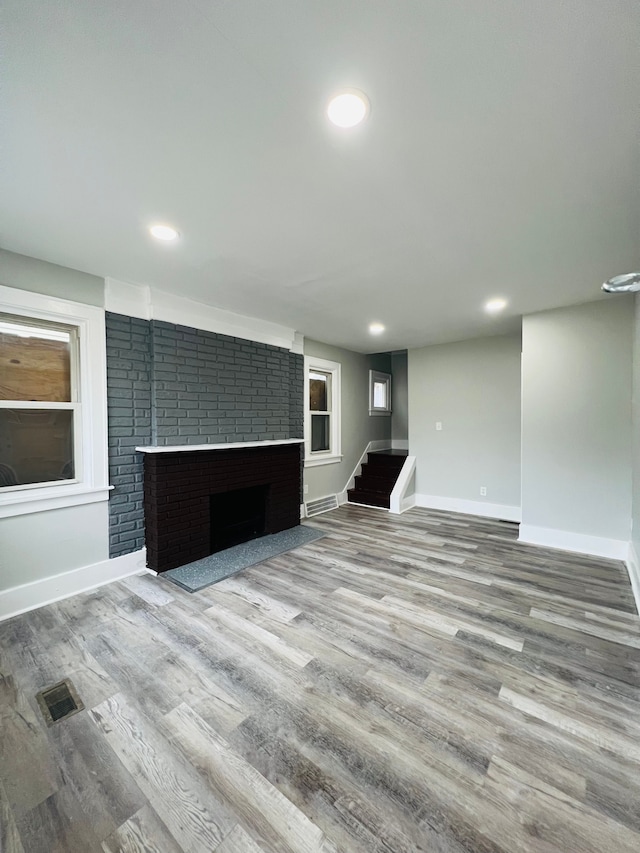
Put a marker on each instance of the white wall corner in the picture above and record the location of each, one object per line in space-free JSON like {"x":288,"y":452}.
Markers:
{"x":400,"y":444}
{"x":132,"y":300}
{"x":29,"y":596}
{"x":298,"y":343}
{"x":480,"y":508}
{"x":342,"y":497}
{"x":303,"y":514}
{"x":578,"y":543}
{"x":633,"y":567}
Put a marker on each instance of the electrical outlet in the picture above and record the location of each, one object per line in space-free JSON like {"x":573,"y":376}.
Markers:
{"x":483,"y":491}
{"x":438,"y":425}
{"x":306,"y":490}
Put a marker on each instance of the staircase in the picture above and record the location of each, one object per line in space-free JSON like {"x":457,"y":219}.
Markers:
{"x":379,"y":473}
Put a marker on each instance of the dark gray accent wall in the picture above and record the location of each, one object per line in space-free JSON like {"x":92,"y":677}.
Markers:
{"x":215,"y":388}
{"x":296,"y":397}
{"x":129,"y":409}
{"x":174,"y":385}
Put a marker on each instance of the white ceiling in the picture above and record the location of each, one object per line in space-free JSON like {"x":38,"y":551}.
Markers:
{"x":500,"y":157}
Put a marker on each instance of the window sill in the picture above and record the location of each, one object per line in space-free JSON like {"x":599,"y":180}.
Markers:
{"x":386,"y":412}
{"x":322,"y":460}
{"x":42,"y":500}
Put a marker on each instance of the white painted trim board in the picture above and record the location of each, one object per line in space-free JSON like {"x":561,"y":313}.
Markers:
{"x":29,"y":596}
{"x":147,"y":303}
{"x":399,"y":500}
{"x":578,"y":543}
{"x":230,"y":445}
{"x":480,"y":508}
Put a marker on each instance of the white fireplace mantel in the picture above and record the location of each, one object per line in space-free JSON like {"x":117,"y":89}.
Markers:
{"x":229,"y":445}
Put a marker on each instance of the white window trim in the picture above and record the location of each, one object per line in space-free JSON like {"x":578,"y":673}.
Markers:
{"x":333,"y":455}
{"x":93,"y":483}
{"x":378,"y":376}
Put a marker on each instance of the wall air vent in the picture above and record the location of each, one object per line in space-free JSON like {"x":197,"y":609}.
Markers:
{"x":321,"y":505}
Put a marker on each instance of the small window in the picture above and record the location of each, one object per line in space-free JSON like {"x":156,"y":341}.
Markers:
{"x":39,"y":405}
{"x":322,"y":412}
{"x":379,"y":393}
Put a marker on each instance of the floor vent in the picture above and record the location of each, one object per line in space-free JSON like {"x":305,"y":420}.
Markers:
{"x":321,"y":505}
{"x":59,"y":702}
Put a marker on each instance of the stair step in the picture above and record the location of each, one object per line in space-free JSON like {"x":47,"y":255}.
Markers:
{"x":386,"y":460}
{"x":380,"y":472}
{"x":373,"y":486}
{"x":369,"y":483}
{"x":359,"y":496}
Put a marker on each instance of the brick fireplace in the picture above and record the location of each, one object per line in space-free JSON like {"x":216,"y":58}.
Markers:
{"x":198,"y":500}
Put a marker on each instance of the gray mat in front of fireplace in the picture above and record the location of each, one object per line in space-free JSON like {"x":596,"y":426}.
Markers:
{"x":217,"y":567}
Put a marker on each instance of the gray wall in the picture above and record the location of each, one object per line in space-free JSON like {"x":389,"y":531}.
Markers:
{"x":42,"y":544}
{"x":358,"y":427}
{"x":170,"y":385}
{"x":42,"y":277}
{"x":473,"y":389}
{"x":576,"y":419}
{"x":635,"y":521}
{"x":399,"y":396}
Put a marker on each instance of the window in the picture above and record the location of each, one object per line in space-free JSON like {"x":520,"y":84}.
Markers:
{"x":40,"y":411}
{"x":52,"y":403}
{"x":322,"y":412}
{"x":379,"y":393}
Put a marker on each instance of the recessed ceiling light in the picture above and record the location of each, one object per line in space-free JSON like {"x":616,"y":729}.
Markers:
{"x":376,"y":328}
{"x":348,"y":108}
{"x":494,"y":306}
{"x":627,"y":283}
{"x":163,"y":232}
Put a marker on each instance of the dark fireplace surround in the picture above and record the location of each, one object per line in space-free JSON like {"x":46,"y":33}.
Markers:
{"x":197,"y":501}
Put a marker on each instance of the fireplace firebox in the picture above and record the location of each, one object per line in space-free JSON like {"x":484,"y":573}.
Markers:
{"x":237,"y":516}
{"x":200,"y":500}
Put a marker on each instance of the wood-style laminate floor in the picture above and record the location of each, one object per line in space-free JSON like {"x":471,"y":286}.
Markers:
{"x":413,"y":683}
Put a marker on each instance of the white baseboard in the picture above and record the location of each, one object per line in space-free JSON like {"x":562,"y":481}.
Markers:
{"x":407,"y":503}
{"x":481,"y":508}
{"x":342,"y":497}
{"x":29,"y":596}
{"x":399,"y":444}
{"x":303,"y":514}
{"x":633,"y":567}
{"x":579,"y":543}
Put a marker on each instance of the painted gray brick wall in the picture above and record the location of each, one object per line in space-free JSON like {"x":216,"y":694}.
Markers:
{"x":171,"y":385}
{"x":296,"y":400}
{"x":129,"y":411}
{"x":214,"y":388}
